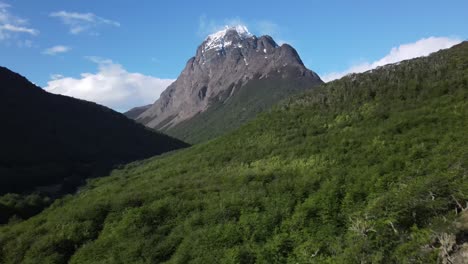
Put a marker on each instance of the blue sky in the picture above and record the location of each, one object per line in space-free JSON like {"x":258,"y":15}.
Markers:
{"x":153,"y":39}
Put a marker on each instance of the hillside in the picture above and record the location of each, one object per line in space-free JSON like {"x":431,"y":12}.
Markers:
{"x":370,"y":168}
{"x":234,"y":76}
{"x":136,"y":111}
{"x":250,"y":100}
{"x":51,"y":142}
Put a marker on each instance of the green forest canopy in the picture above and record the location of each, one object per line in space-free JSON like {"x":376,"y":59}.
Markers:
{"x":370,"y":168}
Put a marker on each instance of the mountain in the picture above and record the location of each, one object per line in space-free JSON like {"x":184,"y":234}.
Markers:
{"x":49,"y":139}
{"x":233,"y":76}
{"x":370,"y":168}
{"x":136,"y":111}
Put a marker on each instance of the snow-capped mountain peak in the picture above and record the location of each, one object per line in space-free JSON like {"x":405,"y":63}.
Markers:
{"x":226,"y":63}
{"x":219,"y":39}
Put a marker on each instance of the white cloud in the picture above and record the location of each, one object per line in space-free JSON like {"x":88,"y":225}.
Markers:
{"x":112,"y":86}
{"x":266,"y":27}
{"x":18,"y":29}
{"x":83,"y":22}
{"x":99,"y":60}
{"x":25,"y":43}
{"x":12,"y":26}
{"x":56,"y":50}
{"x":422,"y":47}
{"x":56,"y":76}
{"x":208,"y":26}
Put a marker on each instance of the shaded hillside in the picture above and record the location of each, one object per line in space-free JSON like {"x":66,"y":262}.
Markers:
{"x":136,"y":111}
{"x":49,"y":139}
{"x":367,"y":169}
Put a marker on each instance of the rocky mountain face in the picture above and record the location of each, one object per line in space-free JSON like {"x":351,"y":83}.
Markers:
{"x":136,"y":111}
{"x":224,"y":63}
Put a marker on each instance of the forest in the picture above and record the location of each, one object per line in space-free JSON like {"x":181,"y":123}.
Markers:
{"x":370,"y":168}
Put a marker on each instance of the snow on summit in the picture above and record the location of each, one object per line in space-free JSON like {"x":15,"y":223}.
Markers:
{"x":217,"y":40}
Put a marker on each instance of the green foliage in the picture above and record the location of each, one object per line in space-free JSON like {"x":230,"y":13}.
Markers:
{"x":232,"y":111}
{"x":15,"y":207}
{"x":52,"y":143}
{"x":365,"y":169}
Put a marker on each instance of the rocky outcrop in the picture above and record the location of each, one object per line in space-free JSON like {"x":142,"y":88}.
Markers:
{"x":224,"y":62}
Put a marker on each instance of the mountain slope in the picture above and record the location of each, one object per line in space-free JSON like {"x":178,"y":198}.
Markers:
{"x":136,"y":111}
{"x":229,"y":65}
{"x":49,"y":139}
{"x":367,"y":169}
{"x":251,"y":99}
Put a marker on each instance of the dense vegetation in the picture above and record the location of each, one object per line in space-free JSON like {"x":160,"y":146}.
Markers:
{"x":367,"y":169}
{"x":54,"y":142}
{"x":244,"y":104}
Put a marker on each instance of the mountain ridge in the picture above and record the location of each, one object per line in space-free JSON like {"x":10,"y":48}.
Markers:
{"x":56,"y":140}
{"x":369,"y":168}
{"x":134,"y":112}
{"x":225,"y":62}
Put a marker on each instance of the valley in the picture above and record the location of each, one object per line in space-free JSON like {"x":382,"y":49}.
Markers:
{"x":370,"y":168}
